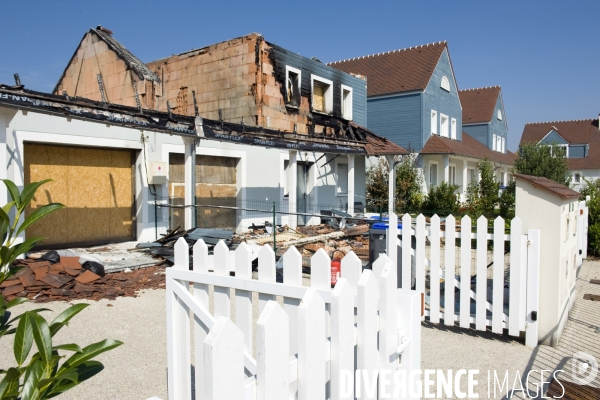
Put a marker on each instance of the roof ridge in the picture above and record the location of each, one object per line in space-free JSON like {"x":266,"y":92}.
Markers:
{"x":480,"y":88}
{"x":391,"y":51}
{"x":567,"y":120}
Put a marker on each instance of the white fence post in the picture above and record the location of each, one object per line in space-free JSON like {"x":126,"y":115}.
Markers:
{"x":178,"y":331}
{"x":406,"y":252}
{"x":434,"y":271}
{"x":409,"y":320}
{"x":243,"y":298}
{"x":449,"y":270}
{"x":292,"y":275}
{"x":200,"y":264}
{"x":498,"y":276}
{"x":533,"y":287}
{"x":273,"y":362}
{"x":351,"y":270}
{"x":392,"y":244}
{"x":586,"y":212}
{"x":266,"y":273}
{"x":223,"y":366}
{"x":481,"y":285}
{"x":222,"y":294}
{"x":342,"y":337}
{"x":388,"y":334}
{"x":367,"y":327}
{"x":465,"y":272}
{"x":420,"y":254}
{"x":311,"y":347}
{"x":516,"y":283}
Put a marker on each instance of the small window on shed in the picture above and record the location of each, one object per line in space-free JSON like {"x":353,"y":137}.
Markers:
{"x":500,"y":115}
{"x":346,"y":102}
{"x":293,"y":78}
{"x":445,"y":84}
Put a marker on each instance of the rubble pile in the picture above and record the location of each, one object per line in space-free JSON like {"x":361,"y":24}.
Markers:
{"x":66,"y":279}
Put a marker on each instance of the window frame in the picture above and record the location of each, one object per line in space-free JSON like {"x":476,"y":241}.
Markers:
{"x":494,"y":142}
{"x":437,"y":173}
{"x":337,"y":175}
{"x":499,"y":115}
{"x":499,"y":143}
{"x":434,"y":122}
{"x":577,"y":177}
{"x":451,"y":176}
{"x":503,"y":145}
{"x":327,"y":95}
{"x":346,"y":115}
{"x":298,"y":72}
{"x":471,"y":176}
{"x":444,"y":126}
{"x":445,"y":83}
{"x":453,"y":128}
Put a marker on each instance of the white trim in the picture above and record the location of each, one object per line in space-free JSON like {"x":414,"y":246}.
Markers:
{"x":283,"y":178}
{"x":434,"y":122}
{"x":474,"y":175}
{"x":453,"y":128}
{"x":450,"y":180}
{"x":347,"y":115}
{"x":445,"y":83}
{"x":494,"y":142}
{"x":559,"y":135}
{"x":339,"y":161}
{"x":504,"y":145}
{"x":437,"y":174}
{"x":328,"y":95}
{"x":499,"y":115}
{"x":289,"y":69}
{"x":444,"y":125}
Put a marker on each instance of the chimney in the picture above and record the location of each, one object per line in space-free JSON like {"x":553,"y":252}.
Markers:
{"x":103,"y":29}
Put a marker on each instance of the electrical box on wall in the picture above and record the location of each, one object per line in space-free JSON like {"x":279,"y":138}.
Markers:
{"x":157,"y":173}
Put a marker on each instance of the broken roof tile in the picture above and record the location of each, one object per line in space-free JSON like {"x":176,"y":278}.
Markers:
{"x":87,"y":277}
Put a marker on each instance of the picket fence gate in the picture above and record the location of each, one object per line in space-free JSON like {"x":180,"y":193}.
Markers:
{"x":305,"y":348}
{"x":452,"y":295}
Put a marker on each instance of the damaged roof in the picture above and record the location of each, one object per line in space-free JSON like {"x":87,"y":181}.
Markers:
{"x":551,"y":186}
{"x":364,"y":142}
{"x":468,"y":147}
{"x":132,"y":62}
{"x":395,"y":71}
{"x":478,"y":104}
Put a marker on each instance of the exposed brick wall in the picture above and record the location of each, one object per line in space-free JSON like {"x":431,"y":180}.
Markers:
{"x":222,"y":75}
{"x":94,"y":57}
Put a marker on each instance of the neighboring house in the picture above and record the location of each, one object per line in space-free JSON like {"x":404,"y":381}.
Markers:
{"x":580,"y":140}
{"x":245,"y":151}
{"x":412,"y":99}
{"x":411,"y":94}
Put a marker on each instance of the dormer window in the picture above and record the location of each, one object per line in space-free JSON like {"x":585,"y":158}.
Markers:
{"x":346,"y":102}
{"x":293,"y":82}
{"x":500,"y":115}
{"x":445,"y":84}
{"x":322,"y":94}
{"x":443,"y":125}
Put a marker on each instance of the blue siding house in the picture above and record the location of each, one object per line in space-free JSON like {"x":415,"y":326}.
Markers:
{"x":484,"y":117}
{"x":413,"y":100}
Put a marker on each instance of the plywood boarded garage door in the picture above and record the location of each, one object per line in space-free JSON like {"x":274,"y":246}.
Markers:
{"x":95,"y":185}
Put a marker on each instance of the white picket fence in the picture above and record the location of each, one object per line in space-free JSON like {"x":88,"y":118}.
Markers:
{"x":303,"y":349}
{"x":455,"y":293}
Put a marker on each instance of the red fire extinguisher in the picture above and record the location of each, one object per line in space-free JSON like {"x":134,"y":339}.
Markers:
{"x":335,"y":271}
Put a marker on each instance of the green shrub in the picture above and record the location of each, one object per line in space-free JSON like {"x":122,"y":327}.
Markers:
{"x":42,"y":376}
{"x":592,"y":189}
{"x":442,"y":200}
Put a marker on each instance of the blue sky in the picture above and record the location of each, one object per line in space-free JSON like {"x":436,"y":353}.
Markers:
{"x":544,"y":54}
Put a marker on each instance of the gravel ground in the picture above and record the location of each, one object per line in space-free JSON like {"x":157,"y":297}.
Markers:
{"x":137,"y":369}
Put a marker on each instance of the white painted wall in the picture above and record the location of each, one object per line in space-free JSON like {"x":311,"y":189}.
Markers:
{"x":589,"y":174}
{"x":258,"y":168}
{"x":541,"y":209}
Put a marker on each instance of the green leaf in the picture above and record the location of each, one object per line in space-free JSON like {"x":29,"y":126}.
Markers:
{"x":4,"y":221}
{"x":72,"y":377}
{"x":33,"y":374}
{"x":7,"y":207}
{"x":84,"y":372}
{"x":9,"y":385}
{"x":69,"y":346}
{"x":42,"y":337}
{"x":64,"y":317}
{"x":29,"y":191}
{"x":13,"y":191}
{"x":38,"y":214}
{"x":16,"y":302}
{"x":89,"y":352}
{"x":23,"y":339}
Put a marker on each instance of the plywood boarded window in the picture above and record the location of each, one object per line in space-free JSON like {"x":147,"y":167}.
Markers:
{"x":322,"y":94}
{"x":95,"y":185}
{"x":318,"y":100}
{"x":216,"y":184}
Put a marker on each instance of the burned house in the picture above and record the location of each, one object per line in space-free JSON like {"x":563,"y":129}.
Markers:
{"x":260,"y":125}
